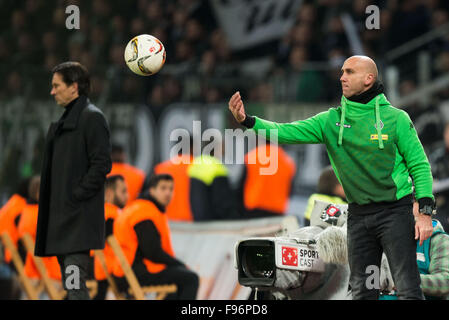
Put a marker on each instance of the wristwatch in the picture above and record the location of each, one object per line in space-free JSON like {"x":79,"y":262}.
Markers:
{"x":428,"y":210}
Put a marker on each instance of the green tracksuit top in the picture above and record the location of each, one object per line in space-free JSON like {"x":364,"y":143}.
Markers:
{"x":369,"y":169}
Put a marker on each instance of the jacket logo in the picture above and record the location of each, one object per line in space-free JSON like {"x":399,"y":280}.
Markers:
{"x":376,"y":137}
{"x":345,"y":125}
{"x":289,"y":256}
{"x":381,"y":125}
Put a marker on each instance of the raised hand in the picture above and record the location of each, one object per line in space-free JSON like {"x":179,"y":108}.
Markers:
{"x":236,"y":107}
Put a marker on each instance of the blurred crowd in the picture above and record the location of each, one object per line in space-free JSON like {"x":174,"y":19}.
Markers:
{"x":200,"y":65}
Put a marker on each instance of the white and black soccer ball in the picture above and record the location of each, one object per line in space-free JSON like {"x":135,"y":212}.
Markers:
{"x":144,"y":55}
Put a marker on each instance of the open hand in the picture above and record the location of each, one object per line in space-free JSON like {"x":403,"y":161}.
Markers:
{"x":423,"y":225}
{"x":236,"y":107}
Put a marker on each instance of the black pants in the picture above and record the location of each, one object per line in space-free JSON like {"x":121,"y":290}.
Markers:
{"x":102,"y":290}
{"x":74,"y":271}
{"x":390,"y":230}
{"x":186,"y":281}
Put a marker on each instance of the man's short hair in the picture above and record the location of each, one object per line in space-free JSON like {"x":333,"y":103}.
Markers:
{"x":155,"y":179}
{"x":72,"y":72}
{"x":111,"y":181}
{"x":117,"y":152}
{"x":33,"y":188}
{"x":327,"y":181}
{"x":117,"y":148}
{"x":22,"y":188}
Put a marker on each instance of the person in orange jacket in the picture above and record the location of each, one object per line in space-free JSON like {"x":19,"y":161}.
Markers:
{"x":134,"y":177}
{"x":266,"y":195}
{"x":28,"y":225}
{"x":143,"y":233}
{"x":179,"y":207}
{"x":10,"y":216}
{"x":115,"y":199}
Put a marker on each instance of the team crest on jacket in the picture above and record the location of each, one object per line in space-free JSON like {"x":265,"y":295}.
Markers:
{"x":381,"y":125}
{"x":345,"y":125}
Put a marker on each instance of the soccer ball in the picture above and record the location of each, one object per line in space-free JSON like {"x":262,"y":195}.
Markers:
{"x":144,"y":55}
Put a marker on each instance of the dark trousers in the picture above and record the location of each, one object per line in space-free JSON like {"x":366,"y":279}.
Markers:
{"x":390,"y":230}
{"x":102,"y":290}
{"x":74,"y":271}
{"x":186,"y":281}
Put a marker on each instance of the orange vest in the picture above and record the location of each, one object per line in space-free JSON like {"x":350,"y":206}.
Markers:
{"x":28,"y":224}
{"x":8,"y":213}
{"x":134,"y":178}
{"x":136,"y":212}
{"x":268,"y":192}
{"x":179,"y":206}
{"x":110,"y":212}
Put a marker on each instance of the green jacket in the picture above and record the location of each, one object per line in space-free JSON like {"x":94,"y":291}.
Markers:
{"x":369,"y":169}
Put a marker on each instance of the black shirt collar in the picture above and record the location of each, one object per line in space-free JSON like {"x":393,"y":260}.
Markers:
{"x":68,"y":108}
{"x":368,"y":95}
{"x":148,"y":197}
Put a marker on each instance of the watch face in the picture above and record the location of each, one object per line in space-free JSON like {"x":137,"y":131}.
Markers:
{"x":426,"y":210}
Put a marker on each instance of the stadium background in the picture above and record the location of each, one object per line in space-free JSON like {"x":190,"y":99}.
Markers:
{"x":284,"y":56}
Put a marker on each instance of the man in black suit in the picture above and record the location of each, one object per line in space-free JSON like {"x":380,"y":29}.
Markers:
{"x":76,"y":161}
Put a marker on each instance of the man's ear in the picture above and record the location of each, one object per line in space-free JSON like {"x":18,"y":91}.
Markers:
{"x":151,"y":192}
{"x":74,"y":88}
{"x":108,"y":193}
{"x":369,"y":79}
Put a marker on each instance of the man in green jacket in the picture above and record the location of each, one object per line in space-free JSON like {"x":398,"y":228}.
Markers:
{"x":375,"y":152}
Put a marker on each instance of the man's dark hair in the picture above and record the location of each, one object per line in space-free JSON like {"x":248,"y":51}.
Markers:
{"x":327,"y":181}
{"x":22,"y":188}
{"x":33,"y":188}
{"x":72,"y":72}
{"x":155,"y":179}
{"x":111,"y":181}
{"x":117,"y":153}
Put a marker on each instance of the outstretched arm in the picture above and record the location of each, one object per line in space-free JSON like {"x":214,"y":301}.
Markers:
{"x":303,"y":131}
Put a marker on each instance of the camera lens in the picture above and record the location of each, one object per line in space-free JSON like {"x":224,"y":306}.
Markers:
{"x":258,"y":261}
